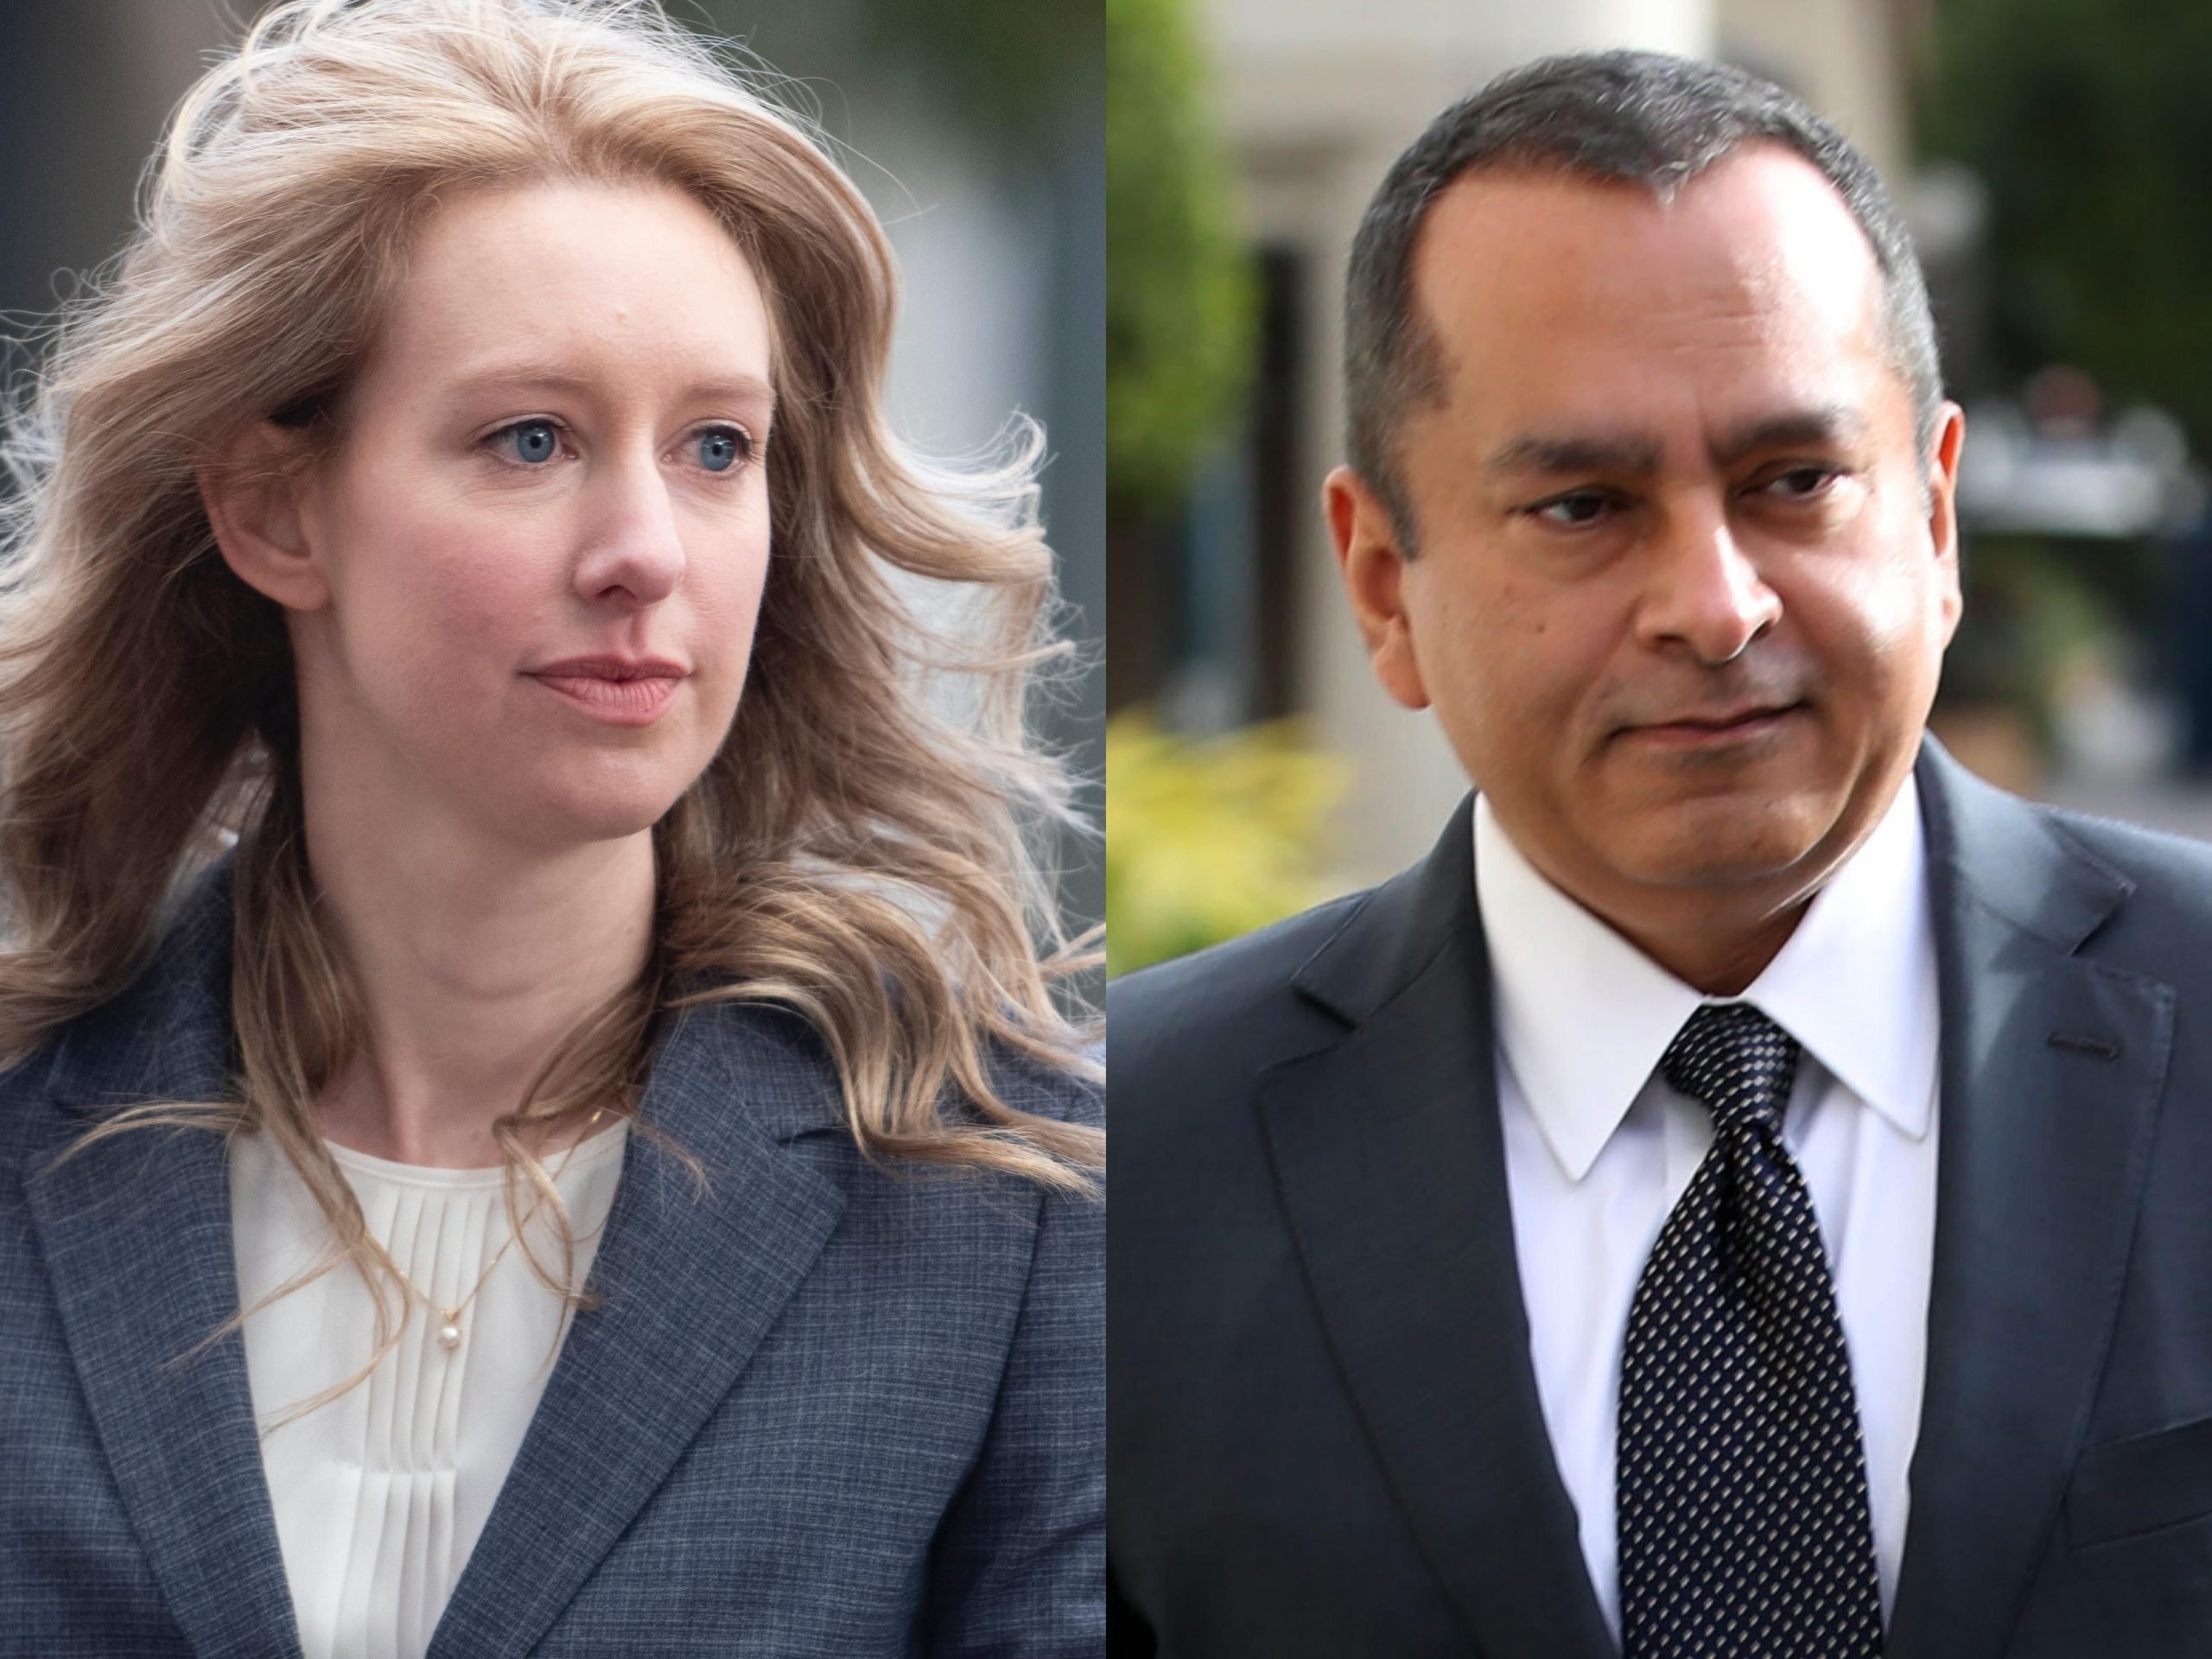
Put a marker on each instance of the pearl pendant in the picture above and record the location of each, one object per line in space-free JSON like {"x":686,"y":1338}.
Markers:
{"x":449,"y":1336}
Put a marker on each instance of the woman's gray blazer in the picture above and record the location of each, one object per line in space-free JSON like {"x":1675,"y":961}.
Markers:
{"x":822,"y":1409}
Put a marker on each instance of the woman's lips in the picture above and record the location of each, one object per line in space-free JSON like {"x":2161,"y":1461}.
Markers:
{"x":636,"y":700}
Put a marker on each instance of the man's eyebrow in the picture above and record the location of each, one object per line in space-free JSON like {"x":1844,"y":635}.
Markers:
{"x":1553,"y":454}
{"x":526,"y":377}
{"x":1823,"y":427}
{"x":1828,"y":426}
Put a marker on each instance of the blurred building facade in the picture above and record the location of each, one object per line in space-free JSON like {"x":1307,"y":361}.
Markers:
{"x":1316,"y":99}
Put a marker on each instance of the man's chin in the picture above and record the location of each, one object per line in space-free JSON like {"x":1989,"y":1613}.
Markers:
{"x":1725,"y":845}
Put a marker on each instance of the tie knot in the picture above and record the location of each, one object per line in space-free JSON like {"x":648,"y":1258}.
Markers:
{"x":1736,"y":1061}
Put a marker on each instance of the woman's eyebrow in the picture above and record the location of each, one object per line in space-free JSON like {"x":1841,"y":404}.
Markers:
{"x":733,"y":388}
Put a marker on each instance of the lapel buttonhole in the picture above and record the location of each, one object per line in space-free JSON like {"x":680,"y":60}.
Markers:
{"x":2096,"y":1047}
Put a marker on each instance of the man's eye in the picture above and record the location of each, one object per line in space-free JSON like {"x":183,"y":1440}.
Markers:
{"x":1799,"y":483}
{"x":1573,"y":510}
{"x":531,"y":442}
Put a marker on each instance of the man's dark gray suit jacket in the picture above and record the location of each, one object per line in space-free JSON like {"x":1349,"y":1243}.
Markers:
{"x":823,"y":1410}
{"x":1324,"y":1427}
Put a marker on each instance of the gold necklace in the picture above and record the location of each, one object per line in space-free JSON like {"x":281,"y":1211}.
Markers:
{"x":448,"y":1331}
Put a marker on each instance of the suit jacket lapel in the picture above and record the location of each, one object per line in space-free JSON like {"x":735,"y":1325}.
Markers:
{"x":2044,"y":1146}
{"x":1390,"y":1161}
{"x":136,"y":1236}
{"x":690,"y":1283}
{"x":135,"y":1233}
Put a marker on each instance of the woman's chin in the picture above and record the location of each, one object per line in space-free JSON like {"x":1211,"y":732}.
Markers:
{"x":560,"y":819}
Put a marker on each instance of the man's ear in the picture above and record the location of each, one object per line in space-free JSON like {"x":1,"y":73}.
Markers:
{"x":1943,"y":509}
{"x":254,"y":493}
{"x":1373,"y":566}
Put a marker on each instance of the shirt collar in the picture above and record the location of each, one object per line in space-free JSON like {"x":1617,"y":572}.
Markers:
{"x":1583,"y":1016}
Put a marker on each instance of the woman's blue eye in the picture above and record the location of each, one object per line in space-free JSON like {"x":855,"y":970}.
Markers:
{"x":721,"y":447}
{"x":534,"y":441}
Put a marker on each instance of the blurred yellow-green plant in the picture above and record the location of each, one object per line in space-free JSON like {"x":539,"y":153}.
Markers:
{"x":1209,"y":838}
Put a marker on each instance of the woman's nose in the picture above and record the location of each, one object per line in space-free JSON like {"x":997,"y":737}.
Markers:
{"x":635,"y":550}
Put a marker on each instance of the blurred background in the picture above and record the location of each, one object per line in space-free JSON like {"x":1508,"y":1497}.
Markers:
{"x":975,"y":128}
{"x":2055,"y":160}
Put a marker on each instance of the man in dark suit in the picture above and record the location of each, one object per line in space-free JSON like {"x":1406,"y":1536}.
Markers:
{"x":1749,"y":1191}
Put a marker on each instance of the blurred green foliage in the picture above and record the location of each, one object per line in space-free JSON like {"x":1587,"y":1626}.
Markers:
{"x":2090,"y":123}
{"x":1180,"y":306}
{"x":1209,"y":838}
{"x":2030,"y":615}
{"x":1014,"y":63}
{"x":1010,"y":71}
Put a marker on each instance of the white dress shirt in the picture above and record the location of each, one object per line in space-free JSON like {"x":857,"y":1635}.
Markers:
{"x":1598,"y":1148}
{"x":380,"y":1495}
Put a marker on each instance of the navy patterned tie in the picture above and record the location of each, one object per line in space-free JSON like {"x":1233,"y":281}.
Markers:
{"x":1741,"y":1506}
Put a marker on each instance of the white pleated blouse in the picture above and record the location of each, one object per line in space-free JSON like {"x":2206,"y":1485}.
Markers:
{"x":381,"y":1493}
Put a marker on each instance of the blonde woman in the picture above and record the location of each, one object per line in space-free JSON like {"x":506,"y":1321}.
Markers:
{"x":536,"y":1122}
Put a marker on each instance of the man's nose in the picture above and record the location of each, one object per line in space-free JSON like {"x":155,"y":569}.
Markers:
{"x":1705,"y":595}
{"x":633,"y":549}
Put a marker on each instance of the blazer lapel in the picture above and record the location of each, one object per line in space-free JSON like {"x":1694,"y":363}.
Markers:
{"x":1389,"y":1158}
{"x":135,"y":1233}
{"x":690,"y":1280}
{"x":2052,"y":1070}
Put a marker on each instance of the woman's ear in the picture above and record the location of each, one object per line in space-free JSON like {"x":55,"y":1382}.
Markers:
{"x":254,"y":494}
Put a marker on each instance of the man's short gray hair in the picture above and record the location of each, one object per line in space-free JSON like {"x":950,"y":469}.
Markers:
{"x":1626,"y":118}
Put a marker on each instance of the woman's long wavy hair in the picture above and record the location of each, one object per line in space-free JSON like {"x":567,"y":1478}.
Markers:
{"x":856,"y":852}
